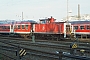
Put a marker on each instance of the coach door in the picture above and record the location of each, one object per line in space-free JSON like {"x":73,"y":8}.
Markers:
{"x":11,"y":29}
{"x":68,"y":29}
{"x":32,"y":27}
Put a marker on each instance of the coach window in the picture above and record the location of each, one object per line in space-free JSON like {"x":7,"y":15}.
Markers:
{"x":18,"y":26}
{"x":4,"y":27}
{"x":22,"y":26}
{"x":0,"y":27}
{"x":26,"y":26}
{"x":15,"y":26}
{"x":81,"y":27}
{"x":88,"y":27}
{"x":75,"y":27}
{"x":8,"y":27}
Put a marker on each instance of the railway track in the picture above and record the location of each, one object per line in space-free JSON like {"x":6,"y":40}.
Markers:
{"x":21,"y":40}
{"x":46,"y":48}
{"x":48,"y":40}
{"x":55,"y":45}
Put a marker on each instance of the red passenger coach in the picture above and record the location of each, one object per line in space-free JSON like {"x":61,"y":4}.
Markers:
{"x":22,"y":28}
{"x":81,"y":28}
{"x":5,"y":28}
{"x":17,"y":28}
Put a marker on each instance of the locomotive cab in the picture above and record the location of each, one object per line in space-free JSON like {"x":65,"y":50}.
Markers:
{"x":47,"y":20}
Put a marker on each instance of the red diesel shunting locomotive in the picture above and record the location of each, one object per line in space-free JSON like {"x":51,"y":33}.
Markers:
{"x":49,"y":28}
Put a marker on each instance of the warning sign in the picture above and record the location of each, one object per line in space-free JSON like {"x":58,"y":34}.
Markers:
{"x":22,"y":52}
{"x":74,"y":45}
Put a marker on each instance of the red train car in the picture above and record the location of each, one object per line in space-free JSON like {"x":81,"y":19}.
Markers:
{"x":22,"y":28}
{"x":46,"y":28}
{"x":17,"y":28}
{"x":49,"y":28}
{"x":5,"y":28}
{"x":81,"y":28}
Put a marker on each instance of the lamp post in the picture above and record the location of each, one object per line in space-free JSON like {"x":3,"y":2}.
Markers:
{"x":66,"y":21}
{"x":67,"y":10}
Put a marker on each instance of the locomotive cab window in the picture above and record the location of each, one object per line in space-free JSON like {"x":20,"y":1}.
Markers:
{"x":88,"y":27}
{"x":81,"y":27}
{"x":75,"y":27}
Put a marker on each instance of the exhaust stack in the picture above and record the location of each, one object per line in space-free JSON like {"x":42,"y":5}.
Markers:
{"x":78,"y":12}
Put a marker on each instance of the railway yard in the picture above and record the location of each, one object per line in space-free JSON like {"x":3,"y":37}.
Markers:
{"x":12,"y":48}
{"x":25,"y":37}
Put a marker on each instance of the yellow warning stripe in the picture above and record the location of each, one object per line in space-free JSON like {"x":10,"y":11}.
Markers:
{"x":22,"y":52}
{"x":74,"y":46}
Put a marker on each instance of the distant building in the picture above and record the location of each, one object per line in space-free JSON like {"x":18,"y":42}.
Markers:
{"x":82,"y":17}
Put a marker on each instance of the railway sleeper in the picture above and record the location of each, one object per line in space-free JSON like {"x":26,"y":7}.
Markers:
{"x":25,"y":36}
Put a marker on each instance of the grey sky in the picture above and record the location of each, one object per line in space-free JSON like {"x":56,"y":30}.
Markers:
{"x":35,"y":9}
